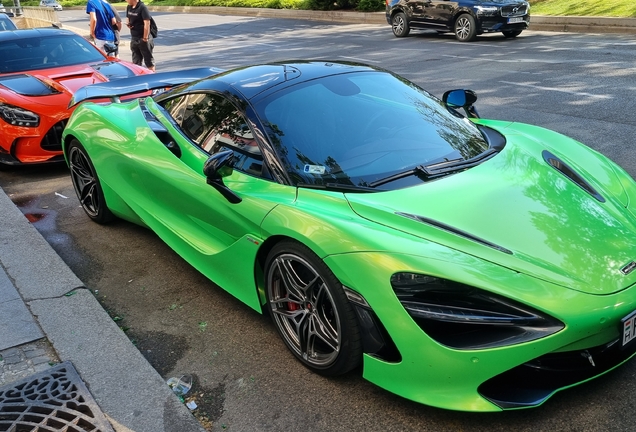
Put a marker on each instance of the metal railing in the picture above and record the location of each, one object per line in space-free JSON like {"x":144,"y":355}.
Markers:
{"x":32,"y":17}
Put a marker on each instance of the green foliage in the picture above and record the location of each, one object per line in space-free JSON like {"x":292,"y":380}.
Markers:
{"x":294,"y":4}
{"x":322,"y":5}
{"x":346,"y":4}
{"x":608,"y":8}
{"x":371,"y":5}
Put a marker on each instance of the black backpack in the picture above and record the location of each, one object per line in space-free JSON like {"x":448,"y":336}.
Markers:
{"x":153,"y":28}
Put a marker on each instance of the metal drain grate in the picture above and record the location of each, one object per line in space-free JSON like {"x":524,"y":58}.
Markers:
{"x":51,"y":401}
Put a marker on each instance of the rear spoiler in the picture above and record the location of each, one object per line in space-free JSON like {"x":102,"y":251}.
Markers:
{"x":113,"y":90}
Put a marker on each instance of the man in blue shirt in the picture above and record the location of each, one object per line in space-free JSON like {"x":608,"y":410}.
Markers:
{"x":101,"y":20}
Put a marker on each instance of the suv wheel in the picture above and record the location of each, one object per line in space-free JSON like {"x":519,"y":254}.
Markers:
{"x":465,"y":28}
{"x":511,"y":33}
{"x":400,"y":25}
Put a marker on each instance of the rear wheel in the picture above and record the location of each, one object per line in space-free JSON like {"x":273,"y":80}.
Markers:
{"x":465,"y":28}
{"x":400,"y":25}
{"x":310,"y":310}
{"x":86,"y":184}
{"x":511,"y":33}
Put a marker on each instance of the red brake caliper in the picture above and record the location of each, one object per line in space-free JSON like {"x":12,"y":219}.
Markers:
{"x":291,"y":306}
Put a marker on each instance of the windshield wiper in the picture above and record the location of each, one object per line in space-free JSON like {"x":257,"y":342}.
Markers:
{"x":337,"y":187}
{"x":454,"y":165}
{"x":437,"y":169}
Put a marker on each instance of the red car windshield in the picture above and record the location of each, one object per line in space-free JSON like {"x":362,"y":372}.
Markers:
{"x":37,"y":53}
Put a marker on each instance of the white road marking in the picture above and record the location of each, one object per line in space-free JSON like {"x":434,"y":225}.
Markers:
{"x":562,"y":90}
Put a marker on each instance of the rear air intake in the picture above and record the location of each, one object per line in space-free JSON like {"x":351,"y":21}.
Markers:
{"x":564,"y":169}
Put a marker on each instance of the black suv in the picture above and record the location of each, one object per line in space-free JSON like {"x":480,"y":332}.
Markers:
{"x":465,"y":18}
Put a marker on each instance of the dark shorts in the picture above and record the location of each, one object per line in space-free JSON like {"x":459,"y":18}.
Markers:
{"x":142,"y":51}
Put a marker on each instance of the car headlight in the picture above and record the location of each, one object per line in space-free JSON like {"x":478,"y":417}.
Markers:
{"x":487,"y":10}
{"x":18,"y":117}
{"x":464,"y":317}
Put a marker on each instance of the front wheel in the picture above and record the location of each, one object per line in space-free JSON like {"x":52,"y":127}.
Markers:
{"x":310,"y":310}
{"x":400,"y":25}
{"x":465,"y":28}
{"x":86,"y":184}
{"x":511,"y":33}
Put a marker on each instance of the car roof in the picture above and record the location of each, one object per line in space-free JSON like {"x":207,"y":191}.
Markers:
{"x":260,"y":80}
{"x":35,"y":32}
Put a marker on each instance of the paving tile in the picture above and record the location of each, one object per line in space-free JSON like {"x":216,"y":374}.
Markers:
{"x":17,"y":324}
{"x":7,"y":290}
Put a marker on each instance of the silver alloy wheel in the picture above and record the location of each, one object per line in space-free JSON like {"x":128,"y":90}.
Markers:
{"x":398,"y":24}
{"x":84,"y":181}
{"x":304,"y":310}
{"x":462,"y":28}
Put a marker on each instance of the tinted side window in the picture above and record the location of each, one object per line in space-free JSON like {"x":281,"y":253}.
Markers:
{"x":213,"y":123}
{"x":189,"y":112}
{"x":176,"y":108}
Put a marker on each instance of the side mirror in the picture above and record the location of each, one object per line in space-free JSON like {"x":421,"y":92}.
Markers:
{"x":465,"y":99}
{"x":217,"y":166}
{"x":110,"y":48}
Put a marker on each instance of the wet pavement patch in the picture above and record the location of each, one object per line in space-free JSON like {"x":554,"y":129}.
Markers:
{"x":49,"y":401}
{"x":162,"y":350}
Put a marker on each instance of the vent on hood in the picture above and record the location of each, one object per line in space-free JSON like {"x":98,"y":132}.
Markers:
{"x":564,"y":169}
{"x":27,"y":85}
{"x":455,"y":231}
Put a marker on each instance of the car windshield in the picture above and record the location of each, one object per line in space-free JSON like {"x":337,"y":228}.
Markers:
{"x":6,"y":24}
{"x":40,"y":52}
{"x":357,"y":129}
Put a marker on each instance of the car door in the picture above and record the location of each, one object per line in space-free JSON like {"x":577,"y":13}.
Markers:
{"x":432,"y":14}
{"x":206,"y":229}
{"x":439,"y":14}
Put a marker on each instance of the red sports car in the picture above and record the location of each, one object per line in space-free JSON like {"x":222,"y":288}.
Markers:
{"x":40,"y":70}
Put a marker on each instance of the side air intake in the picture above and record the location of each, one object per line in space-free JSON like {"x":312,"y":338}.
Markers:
{"x":455,"y":231}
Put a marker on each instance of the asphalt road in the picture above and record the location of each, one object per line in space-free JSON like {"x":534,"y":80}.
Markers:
{"x":245,"y":380}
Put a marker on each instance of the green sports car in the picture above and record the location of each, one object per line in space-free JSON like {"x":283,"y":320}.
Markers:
{"x":464,"y":263}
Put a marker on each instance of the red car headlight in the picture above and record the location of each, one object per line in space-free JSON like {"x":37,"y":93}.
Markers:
{"x":18,"y":117}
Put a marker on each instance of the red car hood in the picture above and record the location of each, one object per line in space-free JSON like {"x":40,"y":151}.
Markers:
{"x":63,"y":82}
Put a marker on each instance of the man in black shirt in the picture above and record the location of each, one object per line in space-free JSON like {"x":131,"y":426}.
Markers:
{"x":141,"y":42}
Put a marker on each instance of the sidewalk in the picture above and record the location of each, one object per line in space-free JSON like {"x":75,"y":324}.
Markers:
{"x":47,"y":316}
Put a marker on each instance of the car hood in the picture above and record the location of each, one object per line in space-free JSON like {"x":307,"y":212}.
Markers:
{"x":519,"y":211}
{"x":63,"y":80}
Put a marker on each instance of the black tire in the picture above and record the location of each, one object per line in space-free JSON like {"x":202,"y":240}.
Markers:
{"x":310,"y":310}
{"x":400,"y":25}
{"x":511,"y":33}
{"x":465,"y":28}
{"x":86,"y":184}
